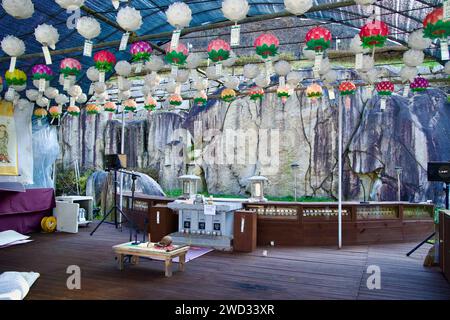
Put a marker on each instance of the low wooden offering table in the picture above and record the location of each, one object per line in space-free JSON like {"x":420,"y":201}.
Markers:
{"x":152,"y":250}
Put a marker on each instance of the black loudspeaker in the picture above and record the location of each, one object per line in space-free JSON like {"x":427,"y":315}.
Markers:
{"x":115,"y":161}
{"x":439,"y":171}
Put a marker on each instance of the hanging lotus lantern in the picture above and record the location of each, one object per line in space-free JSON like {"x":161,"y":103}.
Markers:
{"x":130,"y":105}
{"x":374,"y":34}
{"x":92,"y":110}
{"x":318,"y":39}
{"x":266,"y":45}
{"x":42,"y":73}
{"x":419,"y":84}
{"x":176,"y":56}
{"x":283,"y":93}
{"x":15,"y":78}
{"x":70,"y":68}
{"x":384,"y":89}
{"x":347,"y":89}
{"x":436,"y":27}
{"x":150,"y":104}
{"x":111,"y":108}
{"x":228,"y":95}
{"x":74,"y":111}
{"x":218,"y":51}
{"x":175,"y":100}
{"x":314,"y":91}
{"x":55,"y":113}
{"x":141,"y":52}
{"x":200,"y":98}
{"x":40,"y":113}
{"x":104,"y":62}
{"x":257,"y":93}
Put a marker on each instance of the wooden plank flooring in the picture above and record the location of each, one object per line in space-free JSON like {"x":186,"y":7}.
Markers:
{"x":286,"y":273}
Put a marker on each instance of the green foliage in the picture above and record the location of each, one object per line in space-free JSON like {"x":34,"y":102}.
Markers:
{"x":66,"y":182}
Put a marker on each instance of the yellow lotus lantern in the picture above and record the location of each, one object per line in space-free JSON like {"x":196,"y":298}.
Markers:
{"x":15,"y":78}
{"x":228,"y":95}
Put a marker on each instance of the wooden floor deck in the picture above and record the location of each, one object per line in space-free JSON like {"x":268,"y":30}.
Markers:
{"x":286,"y":273}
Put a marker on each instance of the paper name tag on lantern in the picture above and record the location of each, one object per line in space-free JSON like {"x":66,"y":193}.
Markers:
{"x":138,"y":68}
{"x":317,"y":63}
{"x":446,"y":10}
{"x":331,"y":94}
{"x":444,"y":50}
{"x":41,"y":85}
{"x":124,"y":41}
{"x":175,"y":39}
{"x":383,"y":104}
{"x":209,"y":210}
{"x":87,"y":50}
{"x":406,"y":91}
{"x":282,"y":81}
{"x":47,"y":56}
{"x":377,"y":12}
{"x":101,"y":77}
{"x":120,"y":82}
{"x":12,"y":64}
{"x":116,"y":4}
{"x":66,"y":83}
{"x":178,"y":89}
{"x":269,"y":67}
{"x":174,"y":71}
{"x":72,"y":101}
{"x":235,"y":37}
{"x":91,"y":89}
{"x":218,"y":69}
{"x":358,"y":61}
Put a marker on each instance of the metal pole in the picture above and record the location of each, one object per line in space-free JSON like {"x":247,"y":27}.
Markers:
{"x":340,"y":175}
{"x":122,"y":151}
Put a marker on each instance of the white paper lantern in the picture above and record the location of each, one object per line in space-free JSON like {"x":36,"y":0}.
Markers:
{"x":447,"y":67}
{"x":152,"y":80}
{"x":155,"y":63}
{"x":298,"y":7}
{"x":75,"y":91}
{"x":262,"y":80}
{"x":330,"y":76}
{"x":129,"y":18}
{"x":200,"y":84}
{"x":123,"y":68}
{"x":356,"y":45}
{"x":62,"y":99}
{"x":36,"y":83}
{"x":211,"y":73}
{"x":125,"y":85}
{"x":99,"y":87}
{"x":231,"y":82}
{"x":42,"y":102}
{"x":179,"y":15}
{"x":194,"y":60}
{"x":146,"y":90}
{"x":171,"y":86}
{"x":294,"y":78}
{"x":235,"y":10}
{"x":19,"y":88}
{"x":282,"y":68}
{"x":371,"y":76}
{"x":230,"y":61}
{"x":82,"y":98}
{"x":32,"y":94}
{"x":325,"y":66}
{"x":51,"y":92}
{"x":309,"y":54}
{"x":368,"y":63}
{"x":408,"y":73}
{"x":417,"y":41}
{"x":88,"y":28}
{"x":19,"y":9}
{"x":124,"y":95}
{"x":251,"y":71}
{"x":93,"y":74}
{"x":46,"y":35}
{"x":24,"y":104}
{"x":182,"y":76}
{"x":13,"y":46}
{"x":413,"y":58}
{"x":70,"y":4}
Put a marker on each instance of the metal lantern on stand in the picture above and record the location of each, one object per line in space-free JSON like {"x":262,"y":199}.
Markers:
{"x":257,"y":188}
{"x":189,"y":185}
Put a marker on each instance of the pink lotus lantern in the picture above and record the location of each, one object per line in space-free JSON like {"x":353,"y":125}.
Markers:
{"x":150,"y":104}
{"x":130,"y":105}
{"x":219,"y":50}
{"x":42,"y":71}
{"x":266,"y":45}
{"x":104,"y":61}
{"x":141,"y":51}
{"x":111,"y":108}
{"x":419,"y":84}
{"x":70,"y":67}
{"x":284,"y":94}
{"x":54,"y":112}
{"x":74,"y":111}
{"x":178,"y":55}
{"x":175,"y":100}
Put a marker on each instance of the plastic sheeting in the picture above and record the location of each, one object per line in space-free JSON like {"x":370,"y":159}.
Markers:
{"x":46,"y":151}
{"x":22,"y":120}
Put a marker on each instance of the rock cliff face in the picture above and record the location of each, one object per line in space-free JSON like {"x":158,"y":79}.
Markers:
{"x":228,"y":143}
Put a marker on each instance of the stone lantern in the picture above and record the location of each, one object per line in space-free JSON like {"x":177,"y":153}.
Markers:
{"x":189,"y":185}
{"x":257,"y":188}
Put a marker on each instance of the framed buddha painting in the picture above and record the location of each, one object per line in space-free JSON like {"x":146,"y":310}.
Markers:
{"x":8,"y":140}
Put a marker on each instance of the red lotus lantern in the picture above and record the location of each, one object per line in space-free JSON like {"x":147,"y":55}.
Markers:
{"x":266,"y":45}
{"x":347,"y":89}
{"x":384,"y":89}
{"x":374,"y":34}
{"x":218,"y":50}
{"x":104,"y":61}
{"x":419,"y":84}
{"x":318,"y":39}
{"x":257,"y":93}
{"x":434,"y":25}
